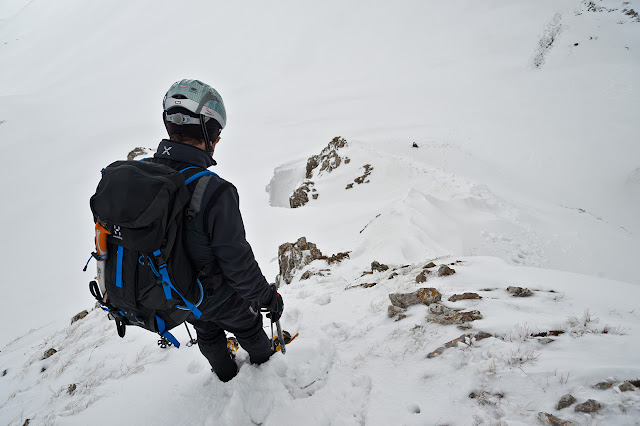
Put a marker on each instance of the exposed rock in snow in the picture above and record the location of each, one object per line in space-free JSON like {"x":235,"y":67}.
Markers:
{"x":444,"y":270}
{"x":626,"y":387}
{"x":429,"y":265}
{"x":300,"y":196}
{"x":71,"y":389}
{"x":49,"y":353}
{"x":392,"y":310}
{"x":565,"y":401}
{"x":465,"y":338}
{"x":79,"y":316}
{"x":378,"y":267}
{"x":603,"y":385}
{"x":363,"y":179}
{"x":422,"y":277}
{"x":551,"y":420}
{"x":455,"y":318}
{"x":464,"y":296}
{"x":519,"y":291}
{"x":590,"y":406}
{"x":425,"y":296}
{"x":294,"y":256}
{"x":138,"y":152}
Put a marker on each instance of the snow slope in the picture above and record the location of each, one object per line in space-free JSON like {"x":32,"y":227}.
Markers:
{"x":520,"y":167}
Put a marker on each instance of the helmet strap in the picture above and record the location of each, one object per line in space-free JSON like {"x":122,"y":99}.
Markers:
{"x":207,"y":142}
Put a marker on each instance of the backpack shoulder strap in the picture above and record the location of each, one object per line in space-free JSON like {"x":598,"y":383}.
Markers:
{"x":196,"y":198}
{"x":203,"y":177}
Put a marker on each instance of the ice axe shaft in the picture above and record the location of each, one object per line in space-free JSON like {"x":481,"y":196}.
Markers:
{"x":280,"y":338}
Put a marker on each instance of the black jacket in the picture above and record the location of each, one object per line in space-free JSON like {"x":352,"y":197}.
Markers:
{"x":215,"y":237}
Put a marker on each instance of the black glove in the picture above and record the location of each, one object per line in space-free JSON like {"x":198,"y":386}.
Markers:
{"x":275,"y":306}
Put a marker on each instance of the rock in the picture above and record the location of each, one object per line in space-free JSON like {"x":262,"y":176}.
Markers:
{"x":425,"y":296}
{"x":545,"y":340}
{"x":4,"y":373}
{"x":519,"y":291}
{"x":305,"y":276}
{"x":591,"y":406}
{"x":603,"y":385}
{"x":550,"y":419}
{"x":392,"y":311}
{"x":393,"y":275}
{"x":295,"y":256}
{"x":464,"y":296}
{"x":349,"y":186}
{"x":367,"y":171}
{"x":438,"y":309}
{"x":314,"y":196}
{"x":464,"y":327}
{"x":429,"y":265}
{"x":401,"y":317}
{"x":422,"y":277}
{"x":136,"y":152}
{"x":625,"y":387}
{"x":347,"y":160}
{"x":555,"y":333}
{"x":456,"y":318}
{"x":415,"y":145}
{"x":312,"y":163}
{"x":635,"y":383}
{"x":453,"y":343}
{"x":300,"y":196}
{"x":79,"y":316}
{"x":48,"y":353}
{"x":336,"y":258}
{"x":444,"y":270}
{"x":379,"y":267}
{"x":565,"y":401}
{"x":26,"y":422}
{"x":71,"y":389}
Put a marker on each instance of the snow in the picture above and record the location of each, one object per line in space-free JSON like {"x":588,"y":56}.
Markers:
{"x":528,"y":176}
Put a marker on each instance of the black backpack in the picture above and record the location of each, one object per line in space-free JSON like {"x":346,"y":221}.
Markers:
{"x":149,"y":279}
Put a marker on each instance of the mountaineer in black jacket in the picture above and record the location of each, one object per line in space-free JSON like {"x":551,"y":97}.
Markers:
{"x":235,"y":289}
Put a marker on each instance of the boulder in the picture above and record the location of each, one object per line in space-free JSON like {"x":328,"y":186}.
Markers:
{"x":453,"y":343}
{"x":626,"y":387}
{"x":429,"y":265}
{"x":422,"y":277}
{"x":519,"y":291}
{"x":565,"y":401}
{"x":378,"y":267}
{"x":444,"y":270}
{"x":300,"y":195}
{"x":603,"y":385}
{"x":425,"y":296}
{"x":590,"y":406}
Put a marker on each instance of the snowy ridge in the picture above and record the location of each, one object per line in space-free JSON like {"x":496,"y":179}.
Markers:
{"x":352,"y":364}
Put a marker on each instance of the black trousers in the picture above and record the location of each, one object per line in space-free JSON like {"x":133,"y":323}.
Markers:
{"x":236,"y":316}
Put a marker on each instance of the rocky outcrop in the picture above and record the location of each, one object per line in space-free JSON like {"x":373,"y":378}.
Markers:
{"x":292,"y":257}
{"x":519,"y":291}
{"x":422,"y":277}
{"x":425,"y":296}
{"x":327,"y":161}
{"x":364,"y":178}
{"x":300,"y":195}
{"x":79,"y":316}
{"x":137,"y":152}
{"x":378,"y":267}
{"x":49,"y":353}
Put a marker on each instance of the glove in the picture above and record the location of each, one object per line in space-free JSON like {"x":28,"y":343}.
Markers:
{"x":275,"y":306}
